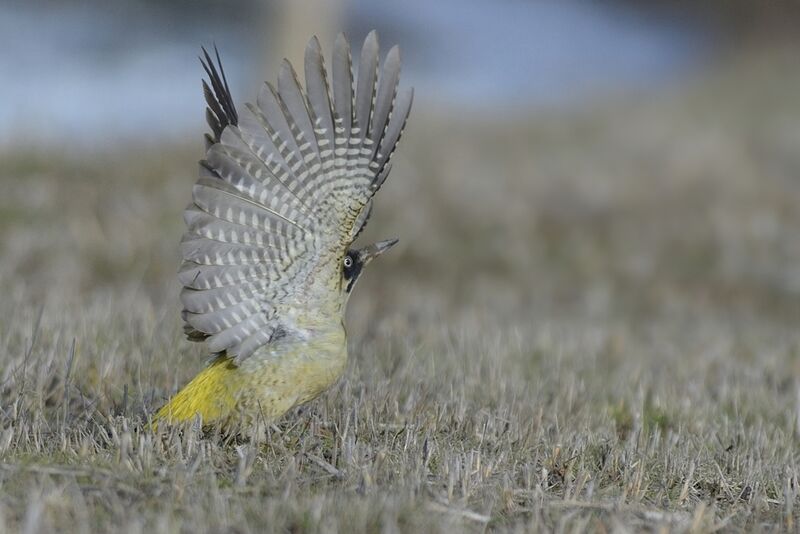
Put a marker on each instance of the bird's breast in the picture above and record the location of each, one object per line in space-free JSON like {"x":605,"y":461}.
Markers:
{"x":285,"y":374}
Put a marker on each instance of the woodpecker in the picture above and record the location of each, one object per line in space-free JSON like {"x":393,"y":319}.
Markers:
{"x":269,"y":263}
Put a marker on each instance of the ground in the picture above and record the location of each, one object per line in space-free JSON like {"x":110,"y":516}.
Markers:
{"x":590,"y":323}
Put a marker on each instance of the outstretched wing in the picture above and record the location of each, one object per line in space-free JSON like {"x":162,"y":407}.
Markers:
{"x":284,"y":189}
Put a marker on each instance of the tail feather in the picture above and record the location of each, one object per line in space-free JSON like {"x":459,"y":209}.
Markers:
{"x":211,"y":395}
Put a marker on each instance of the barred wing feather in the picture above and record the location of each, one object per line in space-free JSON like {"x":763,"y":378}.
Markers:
{"x":284,"y":189}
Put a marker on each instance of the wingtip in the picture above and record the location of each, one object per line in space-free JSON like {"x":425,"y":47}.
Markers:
{"x":371,"y":42}
{"x":313,"y":52}
{"x":313,"y":44}
{"x":393,"y":57}
{"x":286,"y":67}
{"x":341,"y":40}
{"x":287,"y":73}
{"x":341,"y":48}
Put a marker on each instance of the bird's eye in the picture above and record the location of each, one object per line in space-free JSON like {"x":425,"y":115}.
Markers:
{"x":348,"y":262}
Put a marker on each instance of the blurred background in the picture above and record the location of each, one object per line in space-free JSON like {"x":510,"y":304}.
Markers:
{"x":109,"y":72}
{"x":595,"y":161}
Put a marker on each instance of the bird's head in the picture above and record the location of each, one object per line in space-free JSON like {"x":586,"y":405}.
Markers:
{"x":355,"y":260}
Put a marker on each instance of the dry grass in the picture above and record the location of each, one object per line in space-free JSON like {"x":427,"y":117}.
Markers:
{"x":590,"y":323}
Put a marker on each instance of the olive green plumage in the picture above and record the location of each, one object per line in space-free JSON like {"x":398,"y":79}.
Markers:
{"x":285,"y":188}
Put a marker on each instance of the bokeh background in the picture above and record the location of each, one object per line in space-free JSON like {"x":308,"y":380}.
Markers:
{"x":597,"y":202}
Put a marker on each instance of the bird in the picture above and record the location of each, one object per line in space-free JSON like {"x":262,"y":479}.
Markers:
{"x":268,"y":257}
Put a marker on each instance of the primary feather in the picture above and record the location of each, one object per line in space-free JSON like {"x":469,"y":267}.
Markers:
{"x":285,"y":188}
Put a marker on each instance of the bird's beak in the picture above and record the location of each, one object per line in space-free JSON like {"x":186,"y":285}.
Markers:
{"x":374,"y":250}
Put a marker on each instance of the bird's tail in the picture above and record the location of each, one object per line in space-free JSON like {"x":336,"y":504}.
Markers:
{"x":211,"y":395}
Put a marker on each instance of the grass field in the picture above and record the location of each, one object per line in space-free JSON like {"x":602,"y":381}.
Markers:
{"x":590,"y":323}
